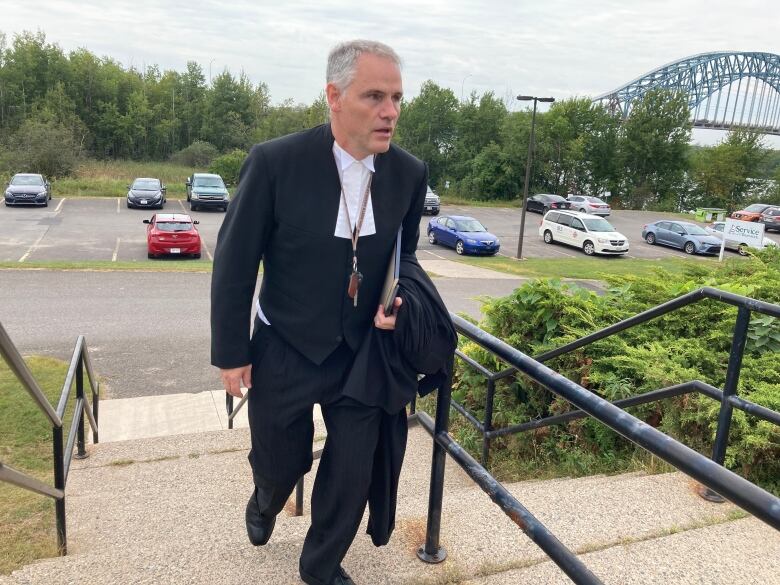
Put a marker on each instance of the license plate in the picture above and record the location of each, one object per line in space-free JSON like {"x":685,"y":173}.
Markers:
{"x":428,"y":208}
{"x":175,"y":250}
{"x":143,"y":202}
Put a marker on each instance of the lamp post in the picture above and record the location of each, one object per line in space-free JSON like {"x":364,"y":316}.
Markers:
{"x":529,"y":159}
{"x":462,"y":84}
{"x":210,"y":62}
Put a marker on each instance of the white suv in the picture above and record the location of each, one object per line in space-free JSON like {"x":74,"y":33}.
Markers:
{"x":590,"y":233}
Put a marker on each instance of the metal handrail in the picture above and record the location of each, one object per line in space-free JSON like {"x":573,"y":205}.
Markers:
{"x":742,"y":492}
{"x":62,"y":455}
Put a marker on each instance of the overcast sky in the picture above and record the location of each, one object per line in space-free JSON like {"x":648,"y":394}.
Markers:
{"x":561,"y":48}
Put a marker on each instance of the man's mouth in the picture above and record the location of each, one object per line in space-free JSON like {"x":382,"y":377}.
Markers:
{"x":387,"y":132}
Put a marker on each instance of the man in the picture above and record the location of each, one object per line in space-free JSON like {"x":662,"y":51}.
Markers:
{"x":321,"y":209}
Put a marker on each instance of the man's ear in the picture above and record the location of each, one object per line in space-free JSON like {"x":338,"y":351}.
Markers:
{"x":333,"y":95}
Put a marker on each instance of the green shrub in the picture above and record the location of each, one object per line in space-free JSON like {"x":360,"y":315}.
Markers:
{"x":692,"y":343}
{"x":228,"y":166}
{"x":199,"y":154}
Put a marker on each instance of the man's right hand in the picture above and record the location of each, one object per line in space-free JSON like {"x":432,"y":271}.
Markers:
{"x":232,"y":378}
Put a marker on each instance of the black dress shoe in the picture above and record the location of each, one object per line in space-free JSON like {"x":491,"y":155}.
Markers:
{"x":258,"y":527}
{"x":341,"y":578}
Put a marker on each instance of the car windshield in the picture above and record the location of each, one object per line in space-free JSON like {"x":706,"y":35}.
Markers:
{"x":469,"y":225}
{"x":174,"y":226}
{"x":27,"y":180}
{"x":147,"y":185}
{"x":214,"y":183}
{"x":695,"y":230}
{"x":757,"y":208}
{"x":598,"y":225}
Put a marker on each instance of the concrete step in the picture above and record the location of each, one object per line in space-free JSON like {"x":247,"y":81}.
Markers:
{"x":170,"y":510}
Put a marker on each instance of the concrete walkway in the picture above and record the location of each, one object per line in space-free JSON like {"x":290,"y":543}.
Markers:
{"x":170,"y":511}
{"x":126,"y":419}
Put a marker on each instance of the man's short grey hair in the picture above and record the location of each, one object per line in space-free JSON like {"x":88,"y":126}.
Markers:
{"x":342,"y":60}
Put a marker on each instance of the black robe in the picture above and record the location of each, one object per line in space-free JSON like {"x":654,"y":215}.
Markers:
{"x":386,"y":374}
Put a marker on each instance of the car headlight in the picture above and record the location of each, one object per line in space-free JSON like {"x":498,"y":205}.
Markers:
{"x":603,"y":241}
{"x":8,"y":194}
{"x":498,"y":241}
{"x":470,"y":241}
{"x":195,"y":195}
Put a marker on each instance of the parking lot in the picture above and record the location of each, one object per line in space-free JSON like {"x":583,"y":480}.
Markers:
{"x":92,"y":229}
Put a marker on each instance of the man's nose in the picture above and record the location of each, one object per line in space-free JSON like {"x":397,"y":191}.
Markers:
{"x":390,"y":109}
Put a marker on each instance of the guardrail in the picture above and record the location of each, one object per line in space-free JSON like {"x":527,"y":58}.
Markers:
{"x":63,"y":452}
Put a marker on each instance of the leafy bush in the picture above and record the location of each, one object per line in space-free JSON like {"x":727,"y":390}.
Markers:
{"x":228,"y":166}
{"x":688,"y":344}
{"x":199,"y":154}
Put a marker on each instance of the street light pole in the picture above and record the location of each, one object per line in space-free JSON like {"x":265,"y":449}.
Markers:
{"x":528,"y":162}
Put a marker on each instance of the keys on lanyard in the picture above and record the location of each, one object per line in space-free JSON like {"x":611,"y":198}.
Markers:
{"x":356,"y":277}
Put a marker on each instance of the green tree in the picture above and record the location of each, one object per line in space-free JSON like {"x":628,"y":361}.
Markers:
{"x":427,"y":127}
{"x":228,"y":165}
{"x":653,"y":147}
{"x":721,"y":173}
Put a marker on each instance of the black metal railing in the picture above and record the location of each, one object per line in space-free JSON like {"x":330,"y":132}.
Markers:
{"x":63,"y":452}
{"x":708,"y":472}
{"x":727,"y":397}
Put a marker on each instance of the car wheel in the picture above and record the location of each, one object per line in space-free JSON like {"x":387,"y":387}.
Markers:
{"x":690,"y":248}
{"x":583,"y":210}
{"x":224,"y":208}
{"x":193,"y":207}
{"x":149,"y":255}
{"x":459,"y":247}
{"x":742,"y":249}
{"x":46,"y":203}
{"x":196,"y":256}
{"x":129,"y":206}
{"x":548,"y":237}
{"x":588,"y":248}
{"x":431,"y":237}
{"x":545,"y":209}
{"x":650,"y":238}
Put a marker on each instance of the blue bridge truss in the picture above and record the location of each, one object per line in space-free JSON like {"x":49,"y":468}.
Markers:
{"x":725,"y":90}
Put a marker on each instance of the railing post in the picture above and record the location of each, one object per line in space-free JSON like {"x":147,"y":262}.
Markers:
{"x":299,"y":497}
{"x":81,"y":451}
{"x":488,"y":424}
{"x":95,"y":410}
{"x":432,"y":552}
{"x":59,"y":483}
{"x":229,"y":407}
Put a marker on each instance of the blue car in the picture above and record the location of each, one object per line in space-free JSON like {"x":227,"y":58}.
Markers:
{"x":689,"y":237}
{"x":463,"y":233}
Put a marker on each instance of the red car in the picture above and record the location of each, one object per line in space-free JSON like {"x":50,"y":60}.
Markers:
{"x":172,"y":233}
{"x":751,"y":212}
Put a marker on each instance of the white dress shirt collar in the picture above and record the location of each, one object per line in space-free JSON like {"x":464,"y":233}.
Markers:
{"x":345,"y":159}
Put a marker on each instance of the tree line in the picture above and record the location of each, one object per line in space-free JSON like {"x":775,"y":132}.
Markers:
{"x":56,"y":108}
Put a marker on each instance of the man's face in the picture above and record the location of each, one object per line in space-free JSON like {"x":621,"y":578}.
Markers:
{"x":364,"y":114}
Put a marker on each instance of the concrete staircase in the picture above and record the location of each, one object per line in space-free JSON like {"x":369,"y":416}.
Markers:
{"x":169,"y":510}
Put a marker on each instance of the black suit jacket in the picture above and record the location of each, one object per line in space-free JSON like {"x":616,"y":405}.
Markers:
{"x":284,"y":213}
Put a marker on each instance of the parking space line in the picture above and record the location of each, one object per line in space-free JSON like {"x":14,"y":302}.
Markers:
{"x":62,"y":201}
{"x":32,"y":248}
{"x":433,"y":254}
{"x":118,"y":207}
{"x":116,"y":249}
{"x":2,"y":199}
{"x":205,"y":247}
{"x":184,"y":209}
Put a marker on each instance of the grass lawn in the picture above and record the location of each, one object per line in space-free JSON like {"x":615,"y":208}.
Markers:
{"x":583,"y":268}
{"x":27,"y":519}
{"x":202,"y":265}
{"x":111,"y":178}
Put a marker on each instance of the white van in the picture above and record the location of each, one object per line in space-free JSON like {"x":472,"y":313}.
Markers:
{"x":590,"y":233}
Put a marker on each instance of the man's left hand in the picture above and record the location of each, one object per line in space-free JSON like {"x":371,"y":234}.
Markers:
{"x":387,"y":322}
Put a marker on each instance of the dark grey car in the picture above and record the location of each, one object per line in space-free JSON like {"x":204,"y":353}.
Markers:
{"x":28,"y":189}
{"x":146,"y":192}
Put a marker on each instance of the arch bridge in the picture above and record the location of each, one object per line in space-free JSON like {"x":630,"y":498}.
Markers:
{"x":725,"y":90}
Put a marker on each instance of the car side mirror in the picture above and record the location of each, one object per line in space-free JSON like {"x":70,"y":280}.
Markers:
{"x":196,"y":222}
{"x":164,"y":188}
{"x":147,"y":221}
{"x":188,"y":183}
{"x":128,"y":187}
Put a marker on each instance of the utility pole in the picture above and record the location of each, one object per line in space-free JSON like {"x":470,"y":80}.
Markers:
{"x":529,"y":160}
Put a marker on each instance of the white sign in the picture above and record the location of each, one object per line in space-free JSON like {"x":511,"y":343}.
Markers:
{"x":743,"y":232}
